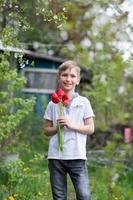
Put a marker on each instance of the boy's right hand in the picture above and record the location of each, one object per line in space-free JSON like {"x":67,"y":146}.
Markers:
{"x":64,"y":121}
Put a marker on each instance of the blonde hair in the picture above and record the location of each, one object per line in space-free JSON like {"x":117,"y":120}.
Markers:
{"x":69,"y":64}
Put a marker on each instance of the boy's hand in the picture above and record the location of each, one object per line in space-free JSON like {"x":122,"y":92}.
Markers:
{"x":64,"y":121}
{"x":86,"y":128}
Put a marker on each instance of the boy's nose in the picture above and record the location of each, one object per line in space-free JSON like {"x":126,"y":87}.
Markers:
{"x":68,"y":78}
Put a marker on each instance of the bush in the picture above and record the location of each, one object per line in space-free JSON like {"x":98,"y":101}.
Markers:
{"x":23,"y":182}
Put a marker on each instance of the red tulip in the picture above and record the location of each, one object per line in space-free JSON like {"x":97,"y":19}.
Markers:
{"x":55,"y":98}
{"x":65,"y":100}
{"x":60,"y":93}
{"x":60,"y":97}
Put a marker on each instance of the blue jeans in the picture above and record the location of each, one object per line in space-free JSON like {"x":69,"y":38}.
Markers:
{"x":77,"y":170}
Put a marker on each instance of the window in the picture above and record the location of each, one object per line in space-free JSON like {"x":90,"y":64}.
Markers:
{"x":40,"y":80}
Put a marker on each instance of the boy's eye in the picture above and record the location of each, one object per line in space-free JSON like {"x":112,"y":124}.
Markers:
{"x":65,"y":75}
{"x":73,"y":76}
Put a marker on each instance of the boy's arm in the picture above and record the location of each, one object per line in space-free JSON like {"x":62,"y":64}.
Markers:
{"x":49,"y":130}
{"x":87,"y":128}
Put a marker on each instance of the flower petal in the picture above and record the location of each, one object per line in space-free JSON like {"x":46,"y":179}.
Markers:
{"x":55,"y":98}
{"x":60,"y":93}
{"x":65,"y":100}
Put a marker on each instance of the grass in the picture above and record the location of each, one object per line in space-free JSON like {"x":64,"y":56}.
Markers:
{"x":103,"y":187}
{"x":28,"y":178}
{"x":32,"y":183}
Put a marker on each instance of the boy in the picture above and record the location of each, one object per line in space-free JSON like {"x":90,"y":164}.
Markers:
{"x":76,"y":124}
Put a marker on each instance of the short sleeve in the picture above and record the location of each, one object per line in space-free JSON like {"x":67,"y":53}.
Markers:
{"x":48,"y":112}
{"x":88,"y":111}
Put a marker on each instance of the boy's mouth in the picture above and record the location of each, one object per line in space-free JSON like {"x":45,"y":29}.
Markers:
{"x":67,"y":85}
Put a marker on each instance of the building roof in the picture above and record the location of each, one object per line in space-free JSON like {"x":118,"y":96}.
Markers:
{"x":86,"y":74}
{"x":31,"y":53}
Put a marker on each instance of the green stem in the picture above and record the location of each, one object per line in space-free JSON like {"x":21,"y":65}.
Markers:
{"x":60,"y":139}
{"x":61,"y":109}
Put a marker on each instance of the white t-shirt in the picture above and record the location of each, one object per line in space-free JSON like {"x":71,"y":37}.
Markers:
{"x":74,"y":143}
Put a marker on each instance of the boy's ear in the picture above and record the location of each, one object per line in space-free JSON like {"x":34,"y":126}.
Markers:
{"x":78,"y":81}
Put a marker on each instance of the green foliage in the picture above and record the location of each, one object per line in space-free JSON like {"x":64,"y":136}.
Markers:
{"x":21,"y":182}
{"x":12,"y":108}
{"x":12,"y":173}
{"x":111,"y":93}
{"x":33,"y":138}
{"x":112,"y":166}
{"x":107,"y":187}
{"x":12,"y":22}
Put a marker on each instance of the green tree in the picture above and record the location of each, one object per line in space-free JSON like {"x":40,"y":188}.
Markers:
{"x":13,"y":108}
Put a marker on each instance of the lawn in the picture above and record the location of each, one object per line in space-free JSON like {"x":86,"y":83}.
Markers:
{"x":30,"y":181}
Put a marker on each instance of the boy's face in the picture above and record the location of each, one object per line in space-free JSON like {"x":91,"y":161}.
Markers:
{"x":68,"y":79}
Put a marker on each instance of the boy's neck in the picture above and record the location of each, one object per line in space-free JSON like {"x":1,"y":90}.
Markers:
{"x":70,"y":94}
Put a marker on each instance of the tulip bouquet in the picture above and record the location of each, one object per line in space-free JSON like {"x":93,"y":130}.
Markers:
{"x":60,"y":97}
